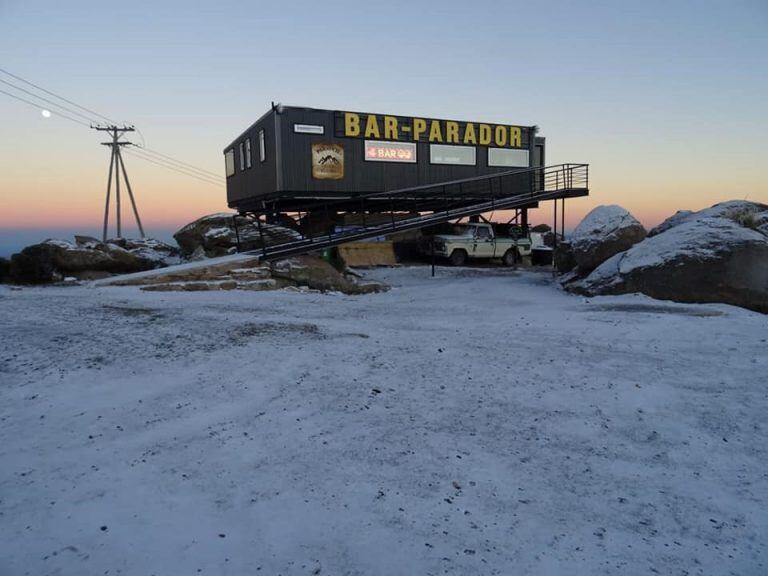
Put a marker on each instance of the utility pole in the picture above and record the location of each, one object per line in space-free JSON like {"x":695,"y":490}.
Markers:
{"x":117,"y":166}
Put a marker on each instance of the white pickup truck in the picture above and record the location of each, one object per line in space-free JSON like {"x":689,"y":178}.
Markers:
{"x":477,"y":240}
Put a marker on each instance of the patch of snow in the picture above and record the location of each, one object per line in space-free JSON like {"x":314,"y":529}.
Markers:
{"x":290,"y":432}
{"x":601,"y":221}
{"x":219,"y":232}
{"x":700,"y":238}
{"x":60,"y":243}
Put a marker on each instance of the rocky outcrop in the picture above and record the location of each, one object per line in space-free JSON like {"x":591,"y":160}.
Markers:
{"x":709,"y":259}
{"x":320,"y":275}
{"x":604,"y":232}
{"x":302,"y":272}
{"x":53,"y":260}
{"x":677,"y":218}
{"x":750,"y":214}
{"x":215,"y":235}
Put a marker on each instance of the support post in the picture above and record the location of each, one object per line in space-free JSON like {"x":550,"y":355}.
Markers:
{"x":554,"y":240}
{"x":562,"y":219}
{"x":130,"y":192}
{"x":116,"y":166}
{"x":432,"y":245}
{"x":109,"y":190}
{"x":237,"y":232}
{"x":117,"y":189}
{"x":261,"y":237}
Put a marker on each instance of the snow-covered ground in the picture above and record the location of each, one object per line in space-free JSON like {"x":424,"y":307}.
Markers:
{"x":481,"y":422}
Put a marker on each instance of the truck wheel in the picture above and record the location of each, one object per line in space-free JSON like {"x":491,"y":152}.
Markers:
{"x":510,"y":257}
{"x":458,"y":257}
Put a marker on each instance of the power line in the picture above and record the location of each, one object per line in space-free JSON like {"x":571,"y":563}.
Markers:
{"x":148,"y":155}
{"x":57,"y":96}
{"x":69,"y":110}
{"x":134,"y":153}
{"x":175,"y":161}
{"x":38,"y":107}
{"x":138,"y":152}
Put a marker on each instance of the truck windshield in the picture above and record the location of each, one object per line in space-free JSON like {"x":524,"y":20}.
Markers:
{"x":462,"y":230}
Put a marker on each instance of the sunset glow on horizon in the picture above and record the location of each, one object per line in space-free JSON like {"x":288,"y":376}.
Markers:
{"x":669,"y":116}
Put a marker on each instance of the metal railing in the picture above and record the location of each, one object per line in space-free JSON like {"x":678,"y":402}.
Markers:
{"x":426,"y":205}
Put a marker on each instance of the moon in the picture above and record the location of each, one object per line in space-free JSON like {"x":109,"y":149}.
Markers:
{"x":46,"y":113}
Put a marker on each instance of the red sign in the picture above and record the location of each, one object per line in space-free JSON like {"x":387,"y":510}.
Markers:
{"x":390,"y":151}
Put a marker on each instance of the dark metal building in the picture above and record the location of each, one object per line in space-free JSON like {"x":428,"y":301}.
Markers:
{"x":338,"y":176}
{"x":292,"y":155}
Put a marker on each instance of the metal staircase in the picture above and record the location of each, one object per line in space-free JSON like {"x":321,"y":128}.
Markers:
{"x":420,"y":206}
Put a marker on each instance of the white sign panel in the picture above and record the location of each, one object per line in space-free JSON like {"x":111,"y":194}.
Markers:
{"x":507,"y":157}
{"x":308,"y":129}
{"x":376,"y":151}
{"x":461,"y":155}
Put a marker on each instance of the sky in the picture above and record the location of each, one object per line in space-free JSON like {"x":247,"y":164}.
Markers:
{"x":665,"y":100}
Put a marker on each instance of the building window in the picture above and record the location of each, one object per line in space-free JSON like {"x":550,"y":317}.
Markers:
{"x":308,"y":129}
{"x":508,"y":157}
{"x":262,"y":147}
{"x":247,"y":152}
{"x":242,"y":156}
{"x":460,"y":155}
{"x":229,"y":162}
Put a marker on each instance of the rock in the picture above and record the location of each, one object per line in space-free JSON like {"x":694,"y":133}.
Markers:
{"x":149,"y":249}
{"x":564,"y":260}
{"x":250,"y":274}
{"x":214,"y":235}
{"x":740,"y":210}
{"x":541,"y":228}
{"x":86,"y":241}
{"x":316,"y":273}
{"x":677,"y":218}
{"x":51,"y":260}
{"x":712,"y":259}
{"x":5,"y":269}
{"x":604,"y":232}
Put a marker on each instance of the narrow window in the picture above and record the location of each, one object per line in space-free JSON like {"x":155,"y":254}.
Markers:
{"x":229,"y":162}
{"x":248,"y":153}
{"x":262,"y":147}
{"x":242,"y":157}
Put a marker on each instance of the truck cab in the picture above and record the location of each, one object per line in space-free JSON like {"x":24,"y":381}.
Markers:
{"x":477,"y":240}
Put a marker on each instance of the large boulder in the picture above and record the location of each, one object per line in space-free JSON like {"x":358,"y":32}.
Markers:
{"x":604,"y":232}
{"x":677,"y":218}
{"x":53,"y":260}
{"x":215,"y":235}
{"x":751,"y":214}
{"x":711,"y":259}
{"x":155,"y":251}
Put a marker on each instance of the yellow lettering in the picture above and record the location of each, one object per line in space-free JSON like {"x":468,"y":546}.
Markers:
{"x":372,"y":127}
{"x":501,"y":135}
{"x":390,"y":128}
{"x":435,"y":132}
{"x":469,"y":134}
{"x":485,"y":134}
{"x":419,"y":127}
{"x":452,"y":132}
{"x":351,"y":124}
{"x":515,"y":138}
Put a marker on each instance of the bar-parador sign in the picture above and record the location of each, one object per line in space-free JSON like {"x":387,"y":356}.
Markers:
{"x":404,"y":128}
